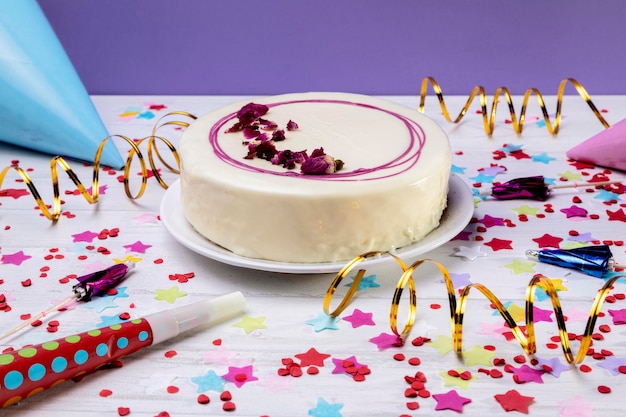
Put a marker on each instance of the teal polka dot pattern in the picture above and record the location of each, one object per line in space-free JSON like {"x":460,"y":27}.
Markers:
{"x":39,"y":367}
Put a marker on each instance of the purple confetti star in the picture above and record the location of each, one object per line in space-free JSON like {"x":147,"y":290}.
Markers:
{"x":489,"y":221}
{"x":613,"y":364}
{"x":554,"y":366}
{"x":574,"y":211}
{"x":340,"y":364}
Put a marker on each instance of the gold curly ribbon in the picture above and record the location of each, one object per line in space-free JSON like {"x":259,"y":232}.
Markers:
{"x":92,"y":198}
{"x":526,"y":339}
{"x":490,"y":116}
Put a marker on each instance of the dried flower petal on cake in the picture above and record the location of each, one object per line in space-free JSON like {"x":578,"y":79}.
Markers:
{"x":319,"y":163}
{"x":251,"y":112}
{"x":278,"y":135}
{"x":288,"y":159}
{"x":264,"y":149}
{"x":291,"y":125}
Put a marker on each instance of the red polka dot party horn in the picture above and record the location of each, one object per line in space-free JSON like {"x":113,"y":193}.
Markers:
{"x":33,"y":369}
{"x":591,"y":260}
{"x":531,"y":187}
{"x":90,"y":285}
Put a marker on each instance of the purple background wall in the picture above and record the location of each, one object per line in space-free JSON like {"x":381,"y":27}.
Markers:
{"x":372,"y":47}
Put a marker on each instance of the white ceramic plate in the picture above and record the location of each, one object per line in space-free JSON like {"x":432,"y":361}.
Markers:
{"x":456,"y":216}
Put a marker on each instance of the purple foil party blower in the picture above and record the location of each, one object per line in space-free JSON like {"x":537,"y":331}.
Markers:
{"x":89,"y":285}
{"x":531,"y":187}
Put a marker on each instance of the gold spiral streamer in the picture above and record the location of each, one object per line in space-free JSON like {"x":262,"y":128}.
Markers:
{"x":517,"y":122}
{"x":134,"y":151}
{"x":526,"y":339}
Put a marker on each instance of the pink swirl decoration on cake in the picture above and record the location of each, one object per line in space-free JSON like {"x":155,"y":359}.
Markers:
{"x":401,"y":163}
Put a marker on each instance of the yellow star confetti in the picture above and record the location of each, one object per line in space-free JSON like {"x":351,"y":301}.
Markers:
{"x":569,"y":175}
{"x":129,"y":258}
{"x":443,"y":344}
{"x":518,"y":313}
{"x":519,"y":267}
{"x":250,"y":324}
{"x":478,"y":355}
{"x":170,"y":295}
{"x":527,"y":210}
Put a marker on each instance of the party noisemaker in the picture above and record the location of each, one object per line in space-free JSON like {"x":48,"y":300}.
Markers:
{"x":591,"y":260}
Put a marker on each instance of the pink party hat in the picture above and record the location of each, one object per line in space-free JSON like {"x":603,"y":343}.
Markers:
{"x":43,"y":104}
{"x":604,"y":149}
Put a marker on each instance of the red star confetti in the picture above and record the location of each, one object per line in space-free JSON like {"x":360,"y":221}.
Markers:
{"x":312,"y":357}
{"x":451,"y":400}
{"x":514,"y":401}
{"x":547,"y":240}
{"x":13,"y":192}
{"x":618,"y":215}
{"x":499,"y":244}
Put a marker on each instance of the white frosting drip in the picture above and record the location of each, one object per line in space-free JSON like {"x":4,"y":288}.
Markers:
{"x":390,"y":193}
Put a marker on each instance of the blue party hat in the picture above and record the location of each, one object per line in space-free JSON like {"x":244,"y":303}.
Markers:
{"x":43,"y":103}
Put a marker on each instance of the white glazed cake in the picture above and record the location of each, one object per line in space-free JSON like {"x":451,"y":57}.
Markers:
{"x":390,"y":192}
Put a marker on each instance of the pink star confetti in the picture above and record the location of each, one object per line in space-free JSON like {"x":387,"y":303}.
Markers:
{"x":450,"y":400}
{"x":239,"y":375}
{"x":15,"y":258}
{"x":386,"y":340}
{"x":574,"y":211}
{"x":86,"y":236}
{"x":527,"y":374}
{"x":619,"y":316}
{"x":359,"y":318}
{"x":137,"y":247}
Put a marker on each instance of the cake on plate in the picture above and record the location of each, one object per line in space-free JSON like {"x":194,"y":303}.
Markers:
{"x":314,"y":177}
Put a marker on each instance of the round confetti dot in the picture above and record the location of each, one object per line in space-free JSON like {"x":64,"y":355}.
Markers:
{"x":412,"y":405}
{"x":229,"y":406}
{"x":170,"y":354}
{"x":226,"y":396}
{"x":203,"y":399}
{"x":105,"y":393}
{"x":123,"y":411}
{"x":603,"y":389}
{"x":312,"y":370}
{"x":415,"y":361}
{"x":399,"y":357}
{"x":173,"y":389}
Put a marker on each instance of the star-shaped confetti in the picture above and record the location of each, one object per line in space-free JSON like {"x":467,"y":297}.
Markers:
{"x":340,"y":365}
{"x":527,"y":374}
{"x":548,"y":241}
{"x":574,"y":211}
{"x":326,"y":409}
{"x":386,"y":340}
{"x":544,"y":158}
{"x":86,"y":236}
{"x":618,"y":316}
{"x":358,"y":318}
{"x":442,"y":343}
{"x":210,"y":381}
{"x":499,"y":244}
{"x":459,"y":280}
{"x":526,"y":210}
{"x":13,"y":192}
{"x":137,"y":247}
{"x":520,"y":267}
{"x":220,"y":355}
{"x":553,"y":366}
{"x":323,"y":322}
{"x":312,"y":357}
{"x":170,"y":295}
{"x":366,"y":282}
{"x":492,"y":329}
{"x":15,"y":258}
{"x":489,"y":221}
{"x":239,"y":375}
{"x":274,"y":383}
{"x":450,"y":400}
{"x":617,"y":215}
{"x":571,"y":176}
{"x":250,"y":324}
{"x":470,"y":253}
{"x":606,"y":196}
{"x":478,"y":355}
{"x":541,"y":314}
{"x":514,"y":401}
{"x":575,"y":407}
